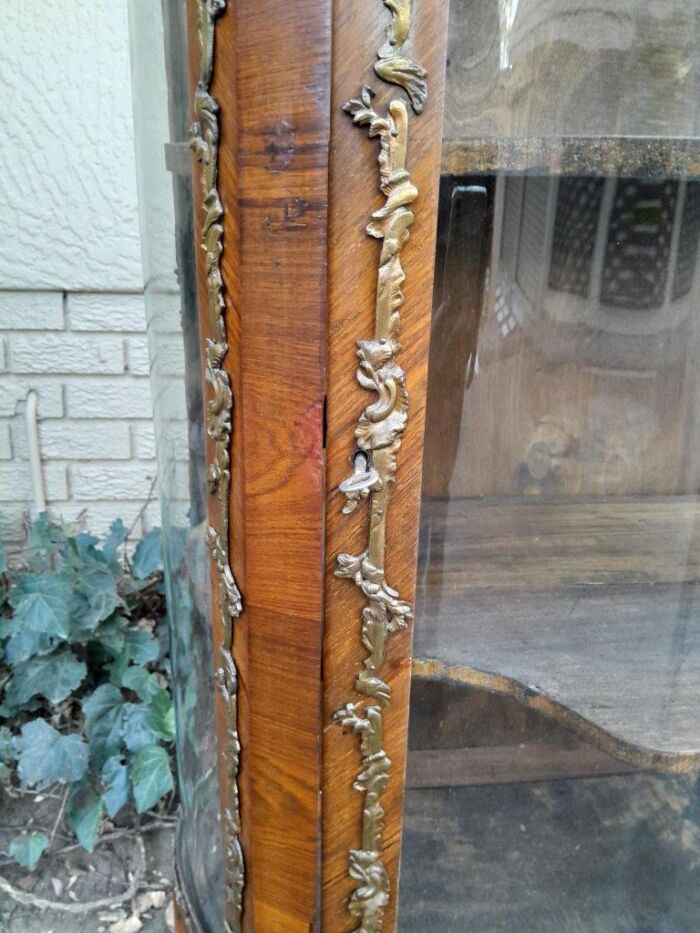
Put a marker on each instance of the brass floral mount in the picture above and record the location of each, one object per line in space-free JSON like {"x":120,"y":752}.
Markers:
{"x":392,"y":65}
{"x":205,"y":143}
{"x":378,"y":440}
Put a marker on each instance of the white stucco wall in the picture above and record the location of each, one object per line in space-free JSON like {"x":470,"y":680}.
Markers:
{"x":72,"y":323}
{"x":67,"y":154}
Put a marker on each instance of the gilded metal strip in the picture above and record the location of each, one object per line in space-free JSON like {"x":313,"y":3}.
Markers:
{"x":395,"y":67}
{"x":378,"y":439}
{"x":205,"y":142}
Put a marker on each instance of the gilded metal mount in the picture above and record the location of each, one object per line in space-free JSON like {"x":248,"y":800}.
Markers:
{"x":378,"y":440}
{"x":378,"y":437}
{"x":395,"y":67}
{"x":205,"y":143}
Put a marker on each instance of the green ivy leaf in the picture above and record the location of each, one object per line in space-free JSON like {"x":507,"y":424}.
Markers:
{"x":151,"y":776}
{"x":84,"y":812}
{"x":24,"y":643}
{"x":96,"y":576}
{"x":53,"y":676}
{"x":85,"y":546}
{"x":147,"y":556}
{"x":99,"y":703}
{"x":117,"y":535}
{"x":104,"y":720}
{"x":27,"y":850}
{"x":6,"y":745}
{"x":117,"y":668}
{"x":115,"y":775}
{"x":97,"y":596}
{"x":140,"y":646}
{"x":7,"y":710}
{"x":135,"y":730}
{"x":7,"y":754}
{"x":40,"y":531}
{"x":45,"y":534}
{"x":85,"y":560}
{"x":50,"y":584}
{"x":141,"y":681}
{"x":110,"y":635}
{"x":101,"y":605}
{"x":78,"y":608}
{"x":161,"y":716}
{"x":41,"y":612}
{"x":45,"y":756}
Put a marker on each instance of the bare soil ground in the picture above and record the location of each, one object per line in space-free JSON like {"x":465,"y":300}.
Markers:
{"x":128,"y":879}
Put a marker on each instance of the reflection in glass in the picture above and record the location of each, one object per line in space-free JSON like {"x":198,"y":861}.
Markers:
{"x":557,"y":637}
{"x":554,"y":733}
{"x":161,"y":107}
{"x":530,"y":69}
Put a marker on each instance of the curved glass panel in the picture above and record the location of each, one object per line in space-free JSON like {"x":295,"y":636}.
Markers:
{"x":555,"y":735}
{"x":161,"y":108}
{"x":531,"y":69}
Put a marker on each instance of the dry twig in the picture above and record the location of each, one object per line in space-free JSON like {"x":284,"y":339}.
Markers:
{"x":165,"y":822}
{"x":27,"y":899}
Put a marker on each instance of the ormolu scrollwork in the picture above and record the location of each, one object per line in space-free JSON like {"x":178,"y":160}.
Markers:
{"x":395,"y":67}
{"x":205,"y":142}
{"x":378,"y":438}
{"x":366,"y":867}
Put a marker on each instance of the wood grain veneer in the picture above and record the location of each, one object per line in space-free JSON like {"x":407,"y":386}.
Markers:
{"x":358,"y":31}
{"x":271,"y":81}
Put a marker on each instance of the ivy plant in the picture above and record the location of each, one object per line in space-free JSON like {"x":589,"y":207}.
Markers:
{"x":84,"y":690}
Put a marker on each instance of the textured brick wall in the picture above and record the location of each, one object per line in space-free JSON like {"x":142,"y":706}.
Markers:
{"x":86,"y":356}
{"x":72,"y":323}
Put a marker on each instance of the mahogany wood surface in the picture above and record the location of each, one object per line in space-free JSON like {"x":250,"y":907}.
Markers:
{"x":358,"y":31}
{"x":271,"y":81}
{"x":283,"y":109}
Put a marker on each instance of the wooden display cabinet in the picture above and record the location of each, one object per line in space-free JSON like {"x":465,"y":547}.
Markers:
{"x":457,"y":249}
